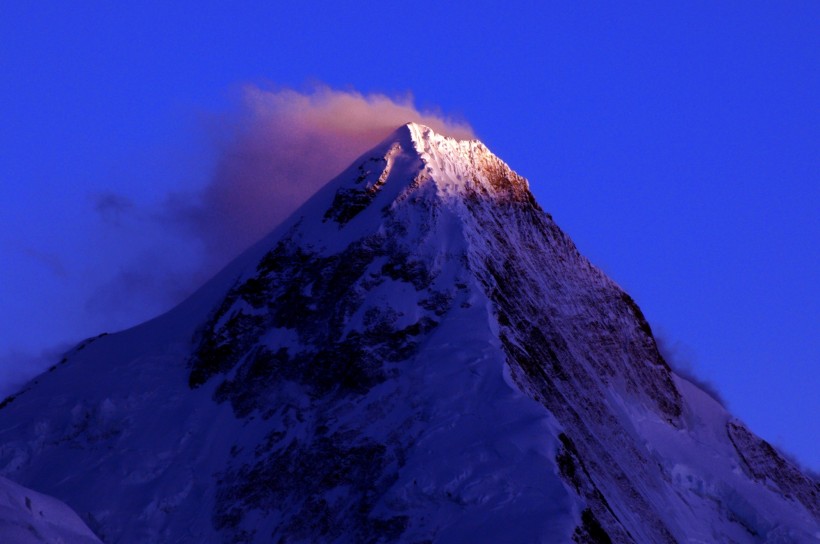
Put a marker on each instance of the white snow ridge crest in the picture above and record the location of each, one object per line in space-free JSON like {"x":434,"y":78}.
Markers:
{"x":419,"y":354}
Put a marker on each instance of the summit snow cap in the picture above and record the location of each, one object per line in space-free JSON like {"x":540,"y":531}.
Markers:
{"x":453,"y":166}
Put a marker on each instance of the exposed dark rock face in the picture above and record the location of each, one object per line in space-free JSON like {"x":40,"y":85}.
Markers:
{"x":312,"y":299}
{"x":350,"y":201}
{"x":763,"y":463}
{"x":590,"y":531}
{"x":323,"y":488}
{"x":564,"y":356}
{"x":289,"y":325}
{"x":573,"y":471}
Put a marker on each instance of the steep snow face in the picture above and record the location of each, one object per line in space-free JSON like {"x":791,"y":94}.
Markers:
{"x":418,"y":354}
{"x":27,"y":517}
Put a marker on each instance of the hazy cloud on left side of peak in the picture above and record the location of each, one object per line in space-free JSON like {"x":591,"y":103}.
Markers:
{"x":272,"y":150}
{"x":277,"y":148}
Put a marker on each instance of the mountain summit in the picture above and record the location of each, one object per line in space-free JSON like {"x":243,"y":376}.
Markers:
{"x":418,"y":354}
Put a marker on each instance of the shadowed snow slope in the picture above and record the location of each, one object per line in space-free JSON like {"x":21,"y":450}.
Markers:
{"x":27,"y":517}
{"x":419,"y":354}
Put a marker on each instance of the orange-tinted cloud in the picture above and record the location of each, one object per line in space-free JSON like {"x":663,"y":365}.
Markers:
{"x":271,"y":152}
{"x":278,"y":149}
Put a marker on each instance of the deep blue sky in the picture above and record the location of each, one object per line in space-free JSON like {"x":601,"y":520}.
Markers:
{"x":677,"y":144}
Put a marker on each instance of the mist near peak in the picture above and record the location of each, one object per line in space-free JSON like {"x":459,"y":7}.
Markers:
{"x":271,"y":150}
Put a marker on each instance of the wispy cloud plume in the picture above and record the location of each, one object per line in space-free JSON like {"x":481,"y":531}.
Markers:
{"x":273,"y":150}
{"x":277,"y":149}
{"x":681,"y":359}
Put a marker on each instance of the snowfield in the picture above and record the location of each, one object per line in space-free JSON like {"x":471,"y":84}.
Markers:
{"x":27,"y":517}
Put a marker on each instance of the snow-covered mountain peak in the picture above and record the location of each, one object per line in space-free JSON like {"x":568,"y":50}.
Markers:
{"x":413,"y":165}
{"x":418,"y":354}
{"x":455,"y":164}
